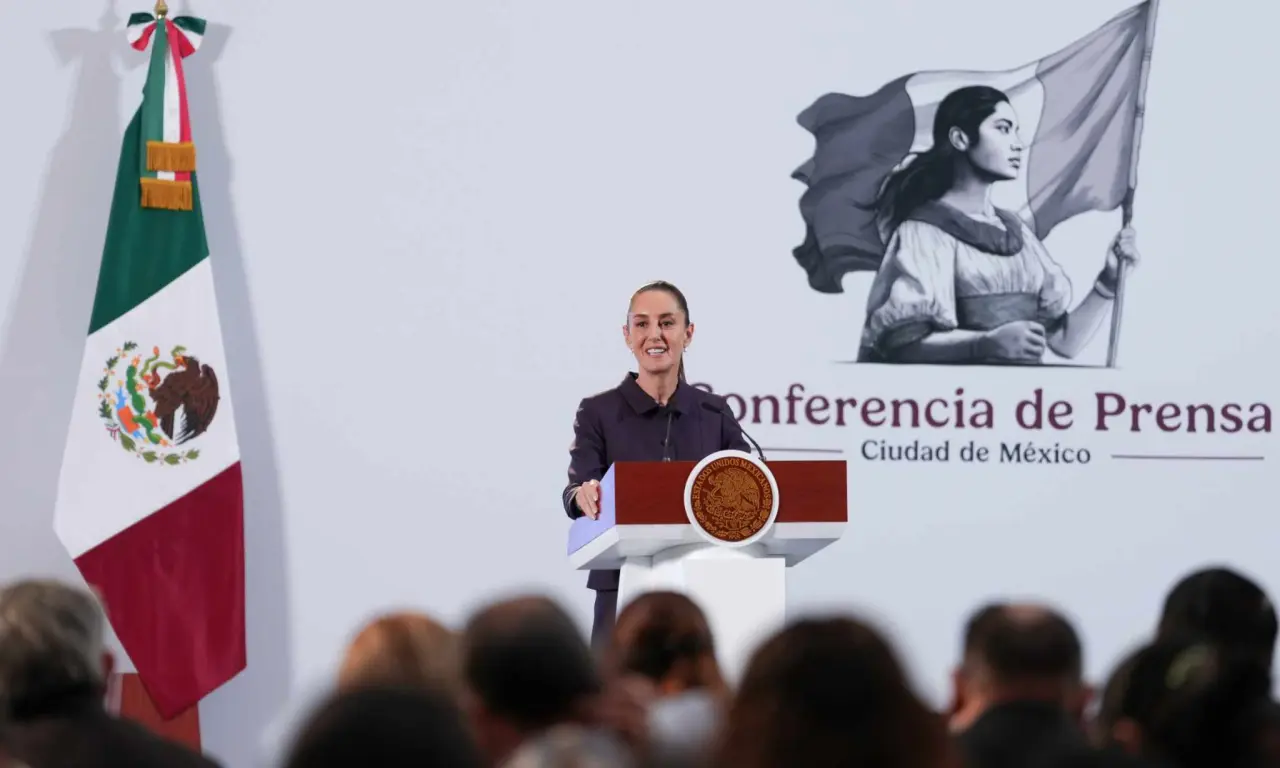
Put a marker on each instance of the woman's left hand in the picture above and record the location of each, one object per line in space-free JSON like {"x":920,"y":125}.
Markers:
{"x":1123,"y":250}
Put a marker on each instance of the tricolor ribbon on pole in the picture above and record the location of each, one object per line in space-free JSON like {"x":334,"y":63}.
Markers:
{"x":169,"y":156}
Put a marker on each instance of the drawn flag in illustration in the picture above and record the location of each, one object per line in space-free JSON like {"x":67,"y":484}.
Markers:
{"x":1078,"y":109}
{"x":150,"y":501}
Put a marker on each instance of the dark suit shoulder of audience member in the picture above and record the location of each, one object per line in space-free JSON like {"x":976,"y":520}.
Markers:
{"x":1095,"y":758}
{"x":78,"y":731}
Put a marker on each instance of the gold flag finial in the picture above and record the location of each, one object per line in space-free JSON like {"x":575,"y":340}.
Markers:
{"x":162,"y":10}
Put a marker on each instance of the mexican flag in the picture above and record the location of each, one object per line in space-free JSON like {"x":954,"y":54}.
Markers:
{"x":150,"y":501}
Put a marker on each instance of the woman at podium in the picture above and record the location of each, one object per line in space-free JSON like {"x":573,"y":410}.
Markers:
{"x":653,"y":415}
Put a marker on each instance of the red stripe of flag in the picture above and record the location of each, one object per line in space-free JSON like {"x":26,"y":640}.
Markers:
{"x":179,"y":47}
{"x":173,"y":586}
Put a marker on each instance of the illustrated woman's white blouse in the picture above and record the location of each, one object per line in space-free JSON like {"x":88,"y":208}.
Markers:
{"x":931,"y":281}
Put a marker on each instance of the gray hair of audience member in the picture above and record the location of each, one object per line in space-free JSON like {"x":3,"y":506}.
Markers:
{"x":51,"y":644}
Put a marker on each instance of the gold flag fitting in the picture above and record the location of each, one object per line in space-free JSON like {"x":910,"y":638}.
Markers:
{"x":169,"y":195}
{"x":162,"y":10}
{"x":171,"y":156}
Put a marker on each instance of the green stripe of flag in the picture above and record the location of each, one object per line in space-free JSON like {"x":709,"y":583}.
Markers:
{"x":140,"y":18}
{"x":146,"y":248}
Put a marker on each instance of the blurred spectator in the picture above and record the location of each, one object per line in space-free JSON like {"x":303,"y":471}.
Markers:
{"x":663,"y":638}
{"x":401,"y":649}
{"x":1188,"y":703}
{"x":1019,"y":694}
{"x":1263,"y":724}
{"x":1225,"y":607}
{"x":529,"y":677}
{"x":386,"y":727}
{"x":572,"y":746}
{"x":829,"y":693}
{"x":398,"y":649}
{"x":1110,"y":707}
{"x":53,"y":673}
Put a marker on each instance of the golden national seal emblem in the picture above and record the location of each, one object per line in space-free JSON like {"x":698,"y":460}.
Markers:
{"x":731,"y":497}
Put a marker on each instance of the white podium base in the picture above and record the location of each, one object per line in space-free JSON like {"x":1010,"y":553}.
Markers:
{"x":742,"y":591}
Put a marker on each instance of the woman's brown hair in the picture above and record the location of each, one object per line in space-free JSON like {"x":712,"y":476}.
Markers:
{"x":401,"y":649}
{"x":830,"y":692}
{"x":664,"y":637}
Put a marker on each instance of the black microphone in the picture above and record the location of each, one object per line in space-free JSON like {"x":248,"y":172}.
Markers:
{"x":717,"y":409}
{"x":666,"y":439}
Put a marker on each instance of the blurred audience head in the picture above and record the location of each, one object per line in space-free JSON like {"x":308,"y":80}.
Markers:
{"x":1018,"y":653}
{"x":1111,"y":704}
{"x":664,"y":637}
{"x":526,"y":667}
{"x":401,"y":649}
{"x":1191,"y":704}
{"x":51,"y":646}
{"x":386,"y":727}
{"x":829,"y":692}
{"x":1224,"y":607}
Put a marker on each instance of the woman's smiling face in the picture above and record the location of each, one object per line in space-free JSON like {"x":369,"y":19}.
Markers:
{"x":657,"y":331}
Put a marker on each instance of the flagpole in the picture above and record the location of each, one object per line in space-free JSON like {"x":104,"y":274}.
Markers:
{"x":1139,"y":120}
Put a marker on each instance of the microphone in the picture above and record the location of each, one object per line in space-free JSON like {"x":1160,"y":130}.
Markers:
{"x":716,"y":409}
{"x":666,"y":439}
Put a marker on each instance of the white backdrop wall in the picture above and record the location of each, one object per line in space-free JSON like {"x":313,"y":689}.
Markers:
{"x":426,"y":219}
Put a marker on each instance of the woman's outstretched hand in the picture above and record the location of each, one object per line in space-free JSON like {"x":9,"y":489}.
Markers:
{"x":588,"y":498}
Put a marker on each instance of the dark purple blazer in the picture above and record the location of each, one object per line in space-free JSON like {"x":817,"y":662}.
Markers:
{"x":625,"y":424}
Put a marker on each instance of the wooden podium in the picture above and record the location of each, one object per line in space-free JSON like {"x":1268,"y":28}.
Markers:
{"x":710,"y":530}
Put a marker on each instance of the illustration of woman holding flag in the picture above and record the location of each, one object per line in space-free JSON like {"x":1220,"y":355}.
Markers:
{"x":965,"y":282}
